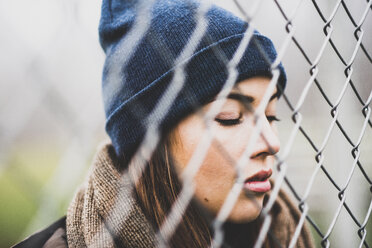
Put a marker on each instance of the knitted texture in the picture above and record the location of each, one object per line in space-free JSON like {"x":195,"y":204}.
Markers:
{"x":134,"y":80}
{"x":285,"y":217}
{"x":98,"y":212}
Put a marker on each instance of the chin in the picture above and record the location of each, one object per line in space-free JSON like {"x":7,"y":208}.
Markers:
{"x":246,"y":211}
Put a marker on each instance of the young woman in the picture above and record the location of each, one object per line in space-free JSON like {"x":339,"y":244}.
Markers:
{"x":175,"y":71}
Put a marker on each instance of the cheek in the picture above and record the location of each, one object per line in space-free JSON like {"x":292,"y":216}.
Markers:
{"x":233,"y":141}
{"x":184,"y":140}
{"x":214,"y":180}
{"x":228,"y":142}
{"x":216,"y":175}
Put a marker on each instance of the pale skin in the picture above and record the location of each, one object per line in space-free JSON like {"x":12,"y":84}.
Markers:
{"x":232,"y":128}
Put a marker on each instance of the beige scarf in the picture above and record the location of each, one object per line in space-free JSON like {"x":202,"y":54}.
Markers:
{"x":99,"y":213}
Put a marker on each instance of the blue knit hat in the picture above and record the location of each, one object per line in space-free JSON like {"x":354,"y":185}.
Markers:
{"x":149,"y":68}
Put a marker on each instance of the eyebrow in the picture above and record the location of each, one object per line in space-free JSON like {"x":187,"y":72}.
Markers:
{"x":248,"y":99}
{"x":241,"y":98}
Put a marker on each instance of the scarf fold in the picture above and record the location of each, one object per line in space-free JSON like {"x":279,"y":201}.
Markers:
{"x":104,"y":213}
{"x":285,"y":217}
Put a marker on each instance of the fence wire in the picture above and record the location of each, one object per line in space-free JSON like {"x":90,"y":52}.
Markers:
{"x":325,"y":162}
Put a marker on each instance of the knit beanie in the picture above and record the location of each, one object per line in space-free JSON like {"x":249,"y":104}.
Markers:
{"x":138,"y":70}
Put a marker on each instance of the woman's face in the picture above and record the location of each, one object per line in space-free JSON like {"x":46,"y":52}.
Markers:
{"x":232,"y":129}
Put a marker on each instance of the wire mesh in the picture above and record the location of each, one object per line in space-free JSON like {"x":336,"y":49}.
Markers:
{"x":325,"y":159}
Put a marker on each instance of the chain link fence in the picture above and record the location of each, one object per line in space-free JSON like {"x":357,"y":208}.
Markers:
{"x":52,"y":118}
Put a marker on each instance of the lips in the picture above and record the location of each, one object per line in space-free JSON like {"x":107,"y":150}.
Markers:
{"x":259,"y":182}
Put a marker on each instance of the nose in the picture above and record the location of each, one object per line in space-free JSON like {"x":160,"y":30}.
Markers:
{"x":268,"y":142}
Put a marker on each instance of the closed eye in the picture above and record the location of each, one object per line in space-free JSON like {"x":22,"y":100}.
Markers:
{"x":229,"y":121}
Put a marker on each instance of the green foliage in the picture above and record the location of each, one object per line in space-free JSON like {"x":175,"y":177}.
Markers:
{"x":21,"y":184}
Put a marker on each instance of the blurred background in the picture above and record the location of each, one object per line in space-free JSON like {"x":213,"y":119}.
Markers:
{"x":52,"y":120}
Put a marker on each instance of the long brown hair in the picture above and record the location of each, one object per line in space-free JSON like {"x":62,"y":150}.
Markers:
{"x":158,"y":189}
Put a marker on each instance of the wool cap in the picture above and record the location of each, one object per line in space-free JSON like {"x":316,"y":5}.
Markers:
{"x":138,"y":69}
